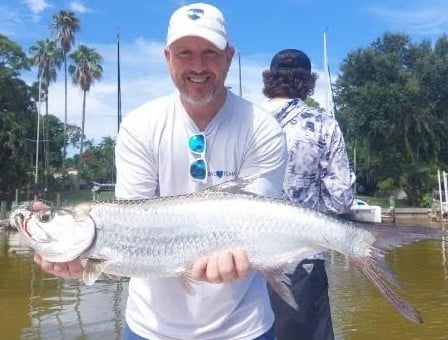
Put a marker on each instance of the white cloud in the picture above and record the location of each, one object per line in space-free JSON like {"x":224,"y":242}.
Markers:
{"x":430,"y":19}
{"x":79,"y":7}
{"x":36,"y":6}
{"x":10,"y":21}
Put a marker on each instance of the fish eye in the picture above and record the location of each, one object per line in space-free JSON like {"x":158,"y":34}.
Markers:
{"x":46,"y":215}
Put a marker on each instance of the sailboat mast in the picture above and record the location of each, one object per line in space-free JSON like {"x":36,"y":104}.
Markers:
{"x":118,"y":84}
{"x":39,"y":106}
{"x":329,"y":104}
{"x":239,"y":74}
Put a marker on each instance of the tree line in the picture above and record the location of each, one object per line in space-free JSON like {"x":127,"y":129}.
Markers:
{"x":20,"y":104}
{"x":391,"y":102}
{"x":392,"y":99}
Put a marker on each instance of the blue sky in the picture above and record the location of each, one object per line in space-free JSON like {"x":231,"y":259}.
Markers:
{"x":258,"y":29}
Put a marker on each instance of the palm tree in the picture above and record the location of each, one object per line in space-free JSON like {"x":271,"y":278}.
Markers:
{"x":65,"y":25}
{"x":85,"y":70}
{"x":47,"y":56}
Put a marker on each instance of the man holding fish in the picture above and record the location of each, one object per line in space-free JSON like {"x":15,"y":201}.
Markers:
{"x":198,"y":247}
{"x":201,"y":136}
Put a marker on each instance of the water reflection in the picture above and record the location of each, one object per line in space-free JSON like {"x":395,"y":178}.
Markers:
{"x":359,"y":312}
{"x":34,"y":305}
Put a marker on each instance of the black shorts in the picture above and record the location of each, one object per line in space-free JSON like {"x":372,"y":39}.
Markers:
{"x":313,"y":319}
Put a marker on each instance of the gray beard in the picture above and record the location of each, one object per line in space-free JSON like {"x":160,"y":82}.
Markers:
{"x":207,"y":99}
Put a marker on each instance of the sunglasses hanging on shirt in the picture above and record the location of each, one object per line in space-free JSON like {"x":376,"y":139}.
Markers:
{"x":198,"y":168}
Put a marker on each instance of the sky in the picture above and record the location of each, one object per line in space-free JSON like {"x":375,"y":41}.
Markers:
{"x":258,"y":29}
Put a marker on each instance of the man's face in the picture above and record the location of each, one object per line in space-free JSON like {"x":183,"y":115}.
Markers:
{"x":198,"y":68}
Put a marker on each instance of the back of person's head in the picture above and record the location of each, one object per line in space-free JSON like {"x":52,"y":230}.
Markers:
{"x":199,"y":20}
{"x":289,"y":76}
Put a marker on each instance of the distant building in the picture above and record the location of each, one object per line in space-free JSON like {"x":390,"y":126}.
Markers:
{"x":71,"y":171}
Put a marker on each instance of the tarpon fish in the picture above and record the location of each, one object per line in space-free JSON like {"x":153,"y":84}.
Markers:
{"x":163,"y":237}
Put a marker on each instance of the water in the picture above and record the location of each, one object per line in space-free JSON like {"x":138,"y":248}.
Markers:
{"x":34,"y":305}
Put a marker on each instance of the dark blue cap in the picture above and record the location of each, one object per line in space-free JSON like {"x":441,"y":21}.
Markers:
{"x":290,"y":59}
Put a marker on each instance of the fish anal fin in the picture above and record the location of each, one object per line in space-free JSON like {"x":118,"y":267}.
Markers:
{"x":186,"y":283}
{"x":280,"y":283}
{"x":93,"y":270}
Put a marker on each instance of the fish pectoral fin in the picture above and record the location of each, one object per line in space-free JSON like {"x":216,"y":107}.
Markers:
{"x":280,"y":283}
{"x":186,"y":283}
{"x":93,"y":270}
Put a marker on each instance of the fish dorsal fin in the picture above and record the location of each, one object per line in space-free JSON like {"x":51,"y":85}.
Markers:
{"x":234,"y":186}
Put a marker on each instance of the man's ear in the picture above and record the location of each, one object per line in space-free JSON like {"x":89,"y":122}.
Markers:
{"x":167,"y":53}
{"x":230,"y":52}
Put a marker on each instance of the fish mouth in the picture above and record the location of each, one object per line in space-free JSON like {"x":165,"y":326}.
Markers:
{"x":31,"y":231}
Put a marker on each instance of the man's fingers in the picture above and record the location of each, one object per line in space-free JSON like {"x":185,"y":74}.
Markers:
{"x":37,"y":258}
{"x":66,"y":270}
{"x":75,"y":269}
{"x":212,"y":271}
{"x":242,"y":264}
{"x":38,"y":205}
{"x":226,"y":266}
{"x":199,"y":269}
{"x":222,"y":266}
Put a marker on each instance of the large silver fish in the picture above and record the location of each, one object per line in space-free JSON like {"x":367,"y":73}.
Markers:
{"x":163,"y":237}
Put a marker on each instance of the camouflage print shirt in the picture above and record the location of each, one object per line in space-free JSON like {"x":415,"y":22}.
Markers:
{"x":318,"y":175}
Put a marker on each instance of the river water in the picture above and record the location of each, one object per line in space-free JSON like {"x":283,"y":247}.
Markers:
{"x":34,"y":305}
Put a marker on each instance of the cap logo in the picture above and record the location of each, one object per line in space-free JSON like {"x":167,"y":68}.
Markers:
{"x":195,"y":13}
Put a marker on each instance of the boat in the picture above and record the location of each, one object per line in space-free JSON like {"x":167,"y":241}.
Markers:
{"x":363,"y":212}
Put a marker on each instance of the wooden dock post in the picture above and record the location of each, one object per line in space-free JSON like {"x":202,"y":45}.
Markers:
{"x":392,"y":207}
{"x":3,"y":205}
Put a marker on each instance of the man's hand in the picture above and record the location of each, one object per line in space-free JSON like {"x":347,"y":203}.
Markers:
{"x":66,"y":270}
{"x":222,"y":266}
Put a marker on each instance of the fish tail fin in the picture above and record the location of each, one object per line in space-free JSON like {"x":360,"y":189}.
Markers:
{"x":375,"y":268}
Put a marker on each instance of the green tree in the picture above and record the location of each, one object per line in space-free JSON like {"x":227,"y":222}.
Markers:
{"x":12,"y":58}
{"x":99,"y":162}
{"x":85,"y":71}
{"x":17,"y":118}
{"x":55,"y":128}
{"x":313,"y":103}
{"x":65,"y":25}
{"x":392,"y":108}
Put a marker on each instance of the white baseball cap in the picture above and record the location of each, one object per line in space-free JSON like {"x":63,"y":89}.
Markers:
{"x":200,"y":20}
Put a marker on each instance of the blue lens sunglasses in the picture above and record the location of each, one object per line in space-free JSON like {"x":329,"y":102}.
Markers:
{"x":198,"y":168}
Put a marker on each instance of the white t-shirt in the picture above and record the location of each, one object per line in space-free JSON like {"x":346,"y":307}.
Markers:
{"x":152,"y":159}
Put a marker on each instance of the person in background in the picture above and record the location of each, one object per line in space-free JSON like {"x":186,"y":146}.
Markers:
{"x":199,"y":136}
{"x":317,"y":177}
